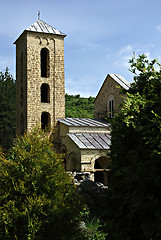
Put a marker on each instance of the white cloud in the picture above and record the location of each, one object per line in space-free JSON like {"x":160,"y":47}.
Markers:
{"x":159,"y":28}
{"x":125,"y":50}
{"x":123,"y":56}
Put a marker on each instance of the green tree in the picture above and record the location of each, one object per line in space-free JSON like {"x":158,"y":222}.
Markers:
{"x":7,"y":109}
{"x":38,"y":199}
{"x":134,"y":200}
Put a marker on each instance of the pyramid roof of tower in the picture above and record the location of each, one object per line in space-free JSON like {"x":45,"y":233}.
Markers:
{"x":41,"y":26}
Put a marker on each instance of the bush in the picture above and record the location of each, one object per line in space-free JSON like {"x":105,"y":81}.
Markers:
{"x":37,"y":197}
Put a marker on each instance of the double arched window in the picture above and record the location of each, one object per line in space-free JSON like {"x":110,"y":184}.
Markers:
{"x":45,"y":93}
{"x":44,"y":62}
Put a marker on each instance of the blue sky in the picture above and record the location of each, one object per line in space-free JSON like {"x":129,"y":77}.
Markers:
{"x":101,"y":36}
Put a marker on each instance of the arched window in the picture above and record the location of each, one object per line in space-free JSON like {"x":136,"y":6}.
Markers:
{"x":44,"y":62}
{"x":45,"y":93}
{"x":45,"y":120}
{"x":111,"y":107}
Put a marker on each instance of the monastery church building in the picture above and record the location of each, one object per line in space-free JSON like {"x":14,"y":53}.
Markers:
{"x":40,"y":99}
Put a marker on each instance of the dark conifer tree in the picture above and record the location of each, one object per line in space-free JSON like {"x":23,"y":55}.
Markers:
{"x":7,"y":109}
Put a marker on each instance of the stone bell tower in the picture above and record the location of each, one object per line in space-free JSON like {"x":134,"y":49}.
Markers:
{"x":40,"y":88}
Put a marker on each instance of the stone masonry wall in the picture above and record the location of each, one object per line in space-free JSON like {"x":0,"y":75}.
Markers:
{"x":55,"y":79}
{"x":110,"y":89}
{"x":21,"y":84}
{"x":69,"y":145}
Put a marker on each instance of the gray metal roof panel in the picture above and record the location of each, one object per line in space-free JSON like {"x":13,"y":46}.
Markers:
{"x":77,"y":141}
{"x":40,"y":26}
{"x":84,"y":139}
{"x":68,"y":122}
{"x":101,"y":139}
{"x":120,"y":80}
{"x":83,"y":122}
{"x":91,"y":140}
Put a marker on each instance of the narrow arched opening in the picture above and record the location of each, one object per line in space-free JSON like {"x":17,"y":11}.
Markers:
{"x":72,"y":160}
{"x":45,"y":93}
{"x":45,"y":120}
{"x":44,"y":62}
{"x":101,"y":168}
{"x":111,"y":107}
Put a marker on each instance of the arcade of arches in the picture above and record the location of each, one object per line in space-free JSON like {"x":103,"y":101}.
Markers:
{"x":99,"y":171}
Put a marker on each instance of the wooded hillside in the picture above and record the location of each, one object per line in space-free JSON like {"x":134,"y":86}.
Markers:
{"x":79,"y":107}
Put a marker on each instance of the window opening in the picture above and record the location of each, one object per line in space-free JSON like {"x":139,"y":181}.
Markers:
{"x":111,"y":108}
{"x":45,"y":93}
{"x":45,"y":120}
{"x":44,"y":62}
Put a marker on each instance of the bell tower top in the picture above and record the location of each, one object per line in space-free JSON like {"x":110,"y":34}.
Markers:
{"x":41,"y":27}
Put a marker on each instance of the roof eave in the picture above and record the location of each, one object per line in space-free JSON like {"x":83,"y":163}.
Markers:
{"x":101,"y":87}
{"x":61,"y":35}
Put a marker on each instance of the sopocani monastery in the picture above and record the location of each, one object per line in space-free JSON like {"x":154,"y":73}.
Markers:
{"x":40,"y":99}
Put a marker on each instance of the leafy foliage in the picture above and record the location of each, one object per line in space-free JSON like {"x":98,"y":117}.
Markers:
{"x":78,"y":107}
{"x":7,"y":109}
{"x":134,"y":209}
{"x":37,"y":197}
{"x":94,"y":229}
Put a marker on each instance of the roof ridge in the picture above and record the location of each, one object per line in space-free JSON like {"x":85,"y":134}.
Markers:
{"x":41,"y":26}
{"x":120,"y":78}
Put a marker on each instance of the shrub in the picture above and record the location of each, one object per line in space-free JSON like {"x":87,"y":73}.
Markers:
{"x":37,"y":197}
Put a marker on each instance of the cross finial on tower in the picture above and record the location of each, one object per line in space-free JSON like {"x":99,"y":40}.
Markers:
{"x":38,"y":15}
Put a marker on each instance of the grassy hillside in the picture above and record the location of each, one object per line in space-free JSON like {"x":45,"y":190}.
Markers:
{"x":78,"y":107}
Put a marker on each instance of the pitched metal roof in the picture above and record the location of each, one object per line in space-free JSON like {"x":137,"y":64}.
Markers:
{"x":40,"y":26}
{"x":91,"y":140}
{"x":120,"y":80}
{"x":83,"y":122}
